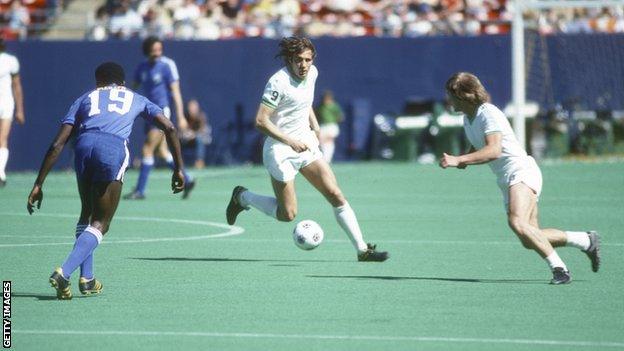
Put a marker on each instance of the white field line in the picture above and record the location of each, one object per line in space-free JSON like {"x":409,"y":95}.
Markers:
{"x":242,"y":335}
{"x":230,"y":230}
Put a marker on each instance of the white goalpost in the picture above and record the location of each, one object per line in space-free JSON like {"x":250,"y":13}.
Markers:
{"x":518,"y":53}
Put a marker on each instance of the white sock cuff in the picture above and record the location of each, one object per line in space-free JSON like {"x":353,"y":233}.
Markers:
{"x":96,"y":232}
{"x":4,"y":150}
{"x":169,"y":158}
{"x":148,"y":161}
{"x":554,"y":261}
{"x":342,"y":208}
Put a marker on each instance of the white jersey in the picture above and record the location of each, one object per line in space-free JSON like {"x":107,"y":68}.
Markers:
{"x":489,"y":119}
{"x":9,"y":66}
{"x":292,"y":101}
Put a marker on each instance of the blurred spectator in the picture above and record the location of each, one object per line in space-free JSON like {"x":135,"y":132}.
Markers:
{"x":98,"y":29}
{"x":125,"y":22}
{"x":329,"y":114}
{"x":19,"y":19}
{"x":199,"y":133}
{"x":224,"y":19}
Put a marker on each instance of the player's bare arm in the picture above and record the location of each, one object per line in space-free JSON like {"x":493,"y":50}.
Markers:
{"x":314,"y":125}
{"x":265,"y":126}
{"x":491,"y":151}
{"x":36,"y":194}
{"x":176,"y":94}
{"x":164,"y":124}
{"x":16,"y":85}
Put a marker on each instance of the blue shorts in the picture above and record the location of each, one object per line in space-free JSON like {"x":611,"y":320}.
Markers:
{"x":101,"y":157}
{"x":149,"y":125}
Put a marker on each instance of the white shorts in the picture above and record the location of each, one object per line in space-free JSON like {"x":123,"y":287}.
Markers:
{"x":7,"y":108}
{"x":330,"y":130}
{"x":530,"y":175}
{"x":283,"y":163}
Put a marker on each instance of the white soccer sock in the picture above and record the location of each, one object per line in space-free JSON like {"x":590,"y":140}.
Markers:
{"x":4,"y":157}
{"x":554,"y":260}
{"x":148,"y":160}
{"x":580,"y":240}
{"x":328,"y":151}
{"x":266,"y":204}
{"x":347,"y":220}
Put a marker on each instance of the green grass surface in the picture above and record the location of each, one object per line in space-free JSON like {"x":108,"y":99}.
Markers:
{"x":176,"y":277}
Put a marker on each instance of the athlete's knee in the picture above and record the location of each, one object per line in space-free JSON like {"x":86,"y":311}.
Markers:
{"x":335,"y":197}
{"x":521,"y":228}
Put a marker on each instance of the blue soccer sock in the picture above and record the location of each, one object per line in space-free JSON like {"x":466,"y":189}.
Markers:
{"x":187,"y":177}
{"x":86,"y":267}
{"x":146,"y":166}
{"x":84,"y":246}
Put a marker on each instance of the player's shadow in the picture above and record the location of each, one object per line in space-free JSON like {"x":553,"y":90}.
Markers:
{"x":40,"y":297}
{"x":222,"y":259}
{"x":453,"y":280}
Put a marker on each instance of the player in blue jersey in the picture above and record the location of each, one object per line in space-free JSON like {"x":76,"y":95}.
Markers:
{"x":102,"y":119}
{"x":158,"y":78}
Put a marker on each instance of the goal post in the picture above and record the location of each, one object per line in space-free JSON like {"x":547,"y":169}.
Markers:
{"x":518,"y":49}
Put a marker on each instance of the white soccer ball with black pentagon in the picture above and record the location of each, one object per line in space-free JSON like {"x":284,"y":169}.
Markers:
{"x":308,"y":234}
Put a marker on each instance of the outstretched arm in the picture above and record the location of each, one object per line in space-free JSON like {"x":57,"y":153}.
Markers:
{"x":176,"y":94}
{"x":177,"y":180}
{"x":264,"y":125}
{"x":36,"y":194}
{"x":16,"y":85}
{"x":491,"y":151}
{"x":314,"y":124}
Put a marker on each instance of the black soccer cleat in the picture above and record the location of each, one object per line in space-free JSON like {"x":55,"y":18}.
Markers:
{"x":89,"y":287}
{"x":135,"y":195}
{"x":2,"y":183}
{"x":560,"y":276}
{"x":234,"y":207}
{"x":61,"y":285}
{"x":372,"y":255}
{"x":188,"y":188}
{"x":593,"y":252}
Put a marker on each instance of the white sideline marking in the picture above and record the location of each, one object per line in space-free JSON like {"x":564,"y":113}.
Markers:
{"x":231,"y":230}
{"x":329,"y":337}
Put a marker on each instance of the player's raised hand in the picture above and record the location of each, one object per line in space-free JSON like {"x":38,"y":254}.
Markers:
{"x":298,"y":146}
{"x":36,"y":196}
{"x":177,"y":181}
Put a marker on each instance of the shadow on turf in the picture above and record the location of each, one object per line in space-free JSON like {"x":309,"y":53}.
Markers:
{"x":219,"y":259}
{"x":455,"y":280}
{"x":41,"y":297}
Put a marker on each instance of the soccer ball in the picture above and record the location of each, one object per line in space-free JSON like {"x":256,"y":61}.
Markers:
{"x":307,"y":235}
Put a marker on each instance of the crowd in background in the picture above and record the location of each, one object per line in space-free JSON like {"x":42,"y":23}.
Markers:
{"x":226,"y":19}
{"x":20,"y":19}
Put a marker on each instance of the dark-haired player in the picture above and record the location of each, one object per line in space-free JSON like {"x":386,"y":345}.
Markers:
{"x":159,"y":80}
{"x":286,"y":117}
{"x":102,"y":119}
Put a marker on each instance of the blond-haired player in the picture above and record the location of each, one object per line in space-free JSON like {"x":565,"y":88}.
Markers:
{"x":519,"y":177}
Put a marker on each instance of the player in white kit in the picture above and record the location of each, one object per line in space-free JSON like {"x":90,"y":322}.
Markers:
{"x":286,"y":117}
{"x":519,"y":177}
{"x":10,"y":104}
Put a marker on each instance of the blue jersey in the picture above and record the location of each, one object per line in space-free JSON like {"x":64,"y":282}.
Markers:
{"x":156,"y":78}
{"x":111,"y":110}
